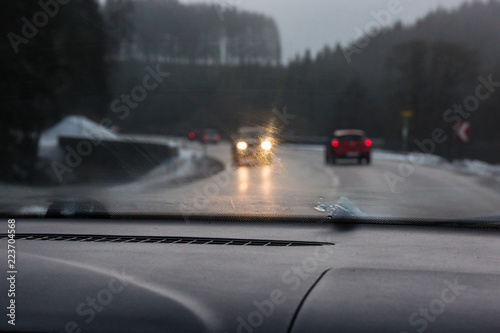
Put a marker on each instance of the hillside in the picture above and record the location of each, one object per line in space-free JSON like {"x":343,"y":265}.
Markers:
{"x":171,"y":32}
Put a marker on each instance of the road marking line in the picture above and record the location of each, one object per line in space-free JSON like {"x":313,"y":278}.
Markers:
{"x":334,"y":178}
{"x":232,"y":204}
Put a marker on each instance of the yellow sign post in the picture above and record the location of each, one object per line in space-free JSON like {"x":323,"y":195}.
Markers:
{"x":406,"y":128}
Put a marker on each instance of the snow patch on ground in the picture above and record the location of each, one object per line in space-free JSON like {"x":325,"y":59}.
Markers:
{"x":189,"y":166}
{"x":84,"y":128}
{"x":74,"y":127}
{"x":477,"y":168}
{"x":472,"y":167}
{"x":414,"y":158}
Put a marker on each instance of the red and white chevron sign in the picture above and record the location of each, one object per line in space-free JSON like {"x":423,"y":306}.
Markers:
{"x":463,"y":131}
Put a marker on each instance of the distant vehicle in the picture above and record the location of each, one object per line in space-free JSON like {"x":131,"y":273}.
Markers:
{"x":204,"y":136}
{"x":352,"y":144}
{"x":194,"y":135}
{"x":210,"y":136}
{"x":253,"y":144}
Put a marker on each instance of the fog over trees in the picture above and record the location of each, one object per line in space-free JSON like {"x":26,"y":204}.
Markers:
{"x":169,"y":32}
{"x":426,"y":68}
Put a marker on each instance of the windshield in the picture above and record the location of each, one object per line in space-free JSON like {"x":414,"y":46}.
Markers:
{"x":365,"y":109}
{"x":350,"y":138}
{"x":251,"y":132}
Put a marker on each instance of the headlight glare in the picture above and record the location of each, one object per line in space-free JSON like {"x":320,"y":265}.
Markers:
{"x":266,"y":145}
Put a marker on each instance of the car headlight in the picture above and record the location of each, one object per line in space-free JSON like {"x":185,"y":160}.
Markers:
{"x":266,"y":145}
{"x":241,"y":145}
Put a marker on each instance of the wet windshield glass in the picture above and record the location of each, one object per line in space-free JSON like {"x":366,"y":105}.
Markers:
{"x":236,"y":107}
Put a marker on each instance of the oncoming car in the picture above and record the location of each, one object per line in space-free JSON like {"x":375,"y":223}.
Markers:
{"x":348,"y":144}
{"x":252,"y":144}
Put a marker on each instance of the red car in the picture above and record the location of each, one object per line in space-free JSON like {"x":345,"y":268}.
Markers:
{"x":353,"y":144}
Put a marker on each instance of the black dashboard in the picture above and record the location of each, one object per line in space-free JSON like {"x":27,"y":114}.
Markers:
{"x":207,"y":276}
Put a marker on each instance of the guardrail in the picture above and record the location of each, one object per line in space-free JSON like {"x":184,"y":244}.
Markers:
{"x":118,"y":159}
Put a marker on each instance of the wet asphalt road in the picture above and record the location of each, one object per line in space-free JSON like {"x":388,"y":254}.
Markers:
{"x":299,"y":180}
{"x":296,"y":183}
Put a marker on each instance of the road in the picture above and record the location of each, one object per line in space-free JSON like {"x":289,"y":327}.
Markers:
{"x":298,"y":181}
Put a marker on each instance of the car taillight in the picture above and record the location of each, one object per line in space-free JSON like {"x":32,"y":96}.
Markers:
{"x":368,"y":143}
{"x":335,"y":143}
{"x":192,"y":136}
{"x":217,"y":137}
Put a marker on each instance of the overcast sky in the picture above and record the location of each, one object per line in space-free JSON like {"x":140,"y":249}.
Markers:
{"x":315,"y":23}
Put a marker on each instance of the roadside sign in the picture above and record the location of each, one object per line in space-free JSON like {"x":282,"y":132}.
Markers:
{"x":406,"y":128}
{"x":463,"y":131}
{"x":407,"y":114}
